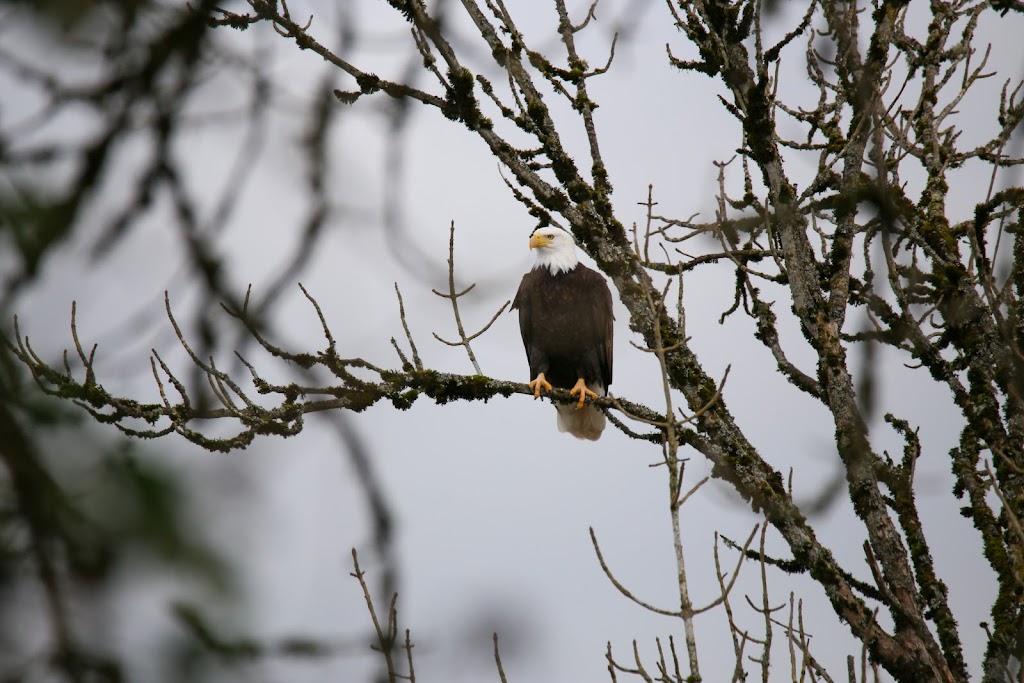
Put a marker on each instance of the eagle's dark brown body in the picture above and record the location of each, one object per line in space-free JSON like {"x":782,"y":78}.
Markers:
{"x":566,"y":322}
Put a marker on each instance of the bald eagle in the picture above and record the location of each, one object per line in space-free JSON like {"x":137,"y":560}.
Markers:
{"x":565,"y":317}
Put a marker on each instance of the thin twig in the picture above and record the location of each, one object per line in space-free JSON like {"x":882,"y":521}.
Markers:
{"x":385,"y":640}
{"x":454,"y":296}
{"x":417,"y":363}
{"x":497,"y":660}
{"x":622,"y":589}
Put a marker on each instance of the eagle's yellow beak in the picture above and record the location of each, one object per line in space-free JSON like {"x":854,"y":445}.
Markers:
{"x":538,"y":240}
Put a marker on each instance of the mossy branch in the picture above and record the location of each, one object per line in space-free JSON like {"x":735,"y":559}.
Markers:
{"x":268,"y":408}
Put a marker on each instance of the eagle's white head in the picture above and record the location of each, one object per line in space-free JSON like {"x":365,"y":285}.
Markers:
{"x":556,"y":250}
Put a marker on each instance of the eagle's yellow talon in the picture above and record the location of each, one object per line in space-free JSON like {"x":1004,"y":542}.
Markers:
{"x":539,"y":385}
{"x":581,"y":389}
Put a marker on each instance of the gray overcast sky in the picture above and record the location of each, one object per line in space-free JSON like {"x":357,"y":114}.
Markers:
{"x":492,"y":504}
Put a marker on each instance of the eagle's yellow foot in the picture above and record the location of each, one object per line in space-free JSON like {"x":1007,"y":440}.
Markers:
{"x":583,"y":391}
{"x":539,"y":385}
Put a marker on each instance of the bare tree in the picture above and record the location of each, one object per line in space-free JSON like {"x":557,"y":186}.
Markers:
{"x":870,"y":232}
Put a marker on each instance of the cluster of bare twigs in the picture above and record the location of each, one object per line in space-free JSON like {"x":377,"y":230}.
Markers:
{"x":934,"y":297}
{"x":803,"y":665}
{"x":386,"y":642}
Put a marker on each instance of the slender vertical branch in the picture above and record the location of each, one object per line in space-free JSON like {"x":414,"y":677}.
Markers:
{"x":497,"y":661}
{"x":685,"y":605}
{"x":385,"y":633}
{"x":416,"y":362}
{"x":454,"y":296}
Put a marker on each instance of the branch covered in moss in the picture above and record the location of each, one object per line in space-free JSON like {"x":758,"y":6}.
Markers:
{"x":263,"y":407}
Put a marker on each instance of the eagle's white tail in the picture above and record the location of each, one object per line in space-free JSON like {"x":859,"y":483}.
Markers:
{"x":583,"y":423}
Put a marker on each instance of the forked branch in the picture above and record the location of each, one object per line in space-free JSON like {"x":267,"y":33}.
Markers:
{"x":454,"y":296}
